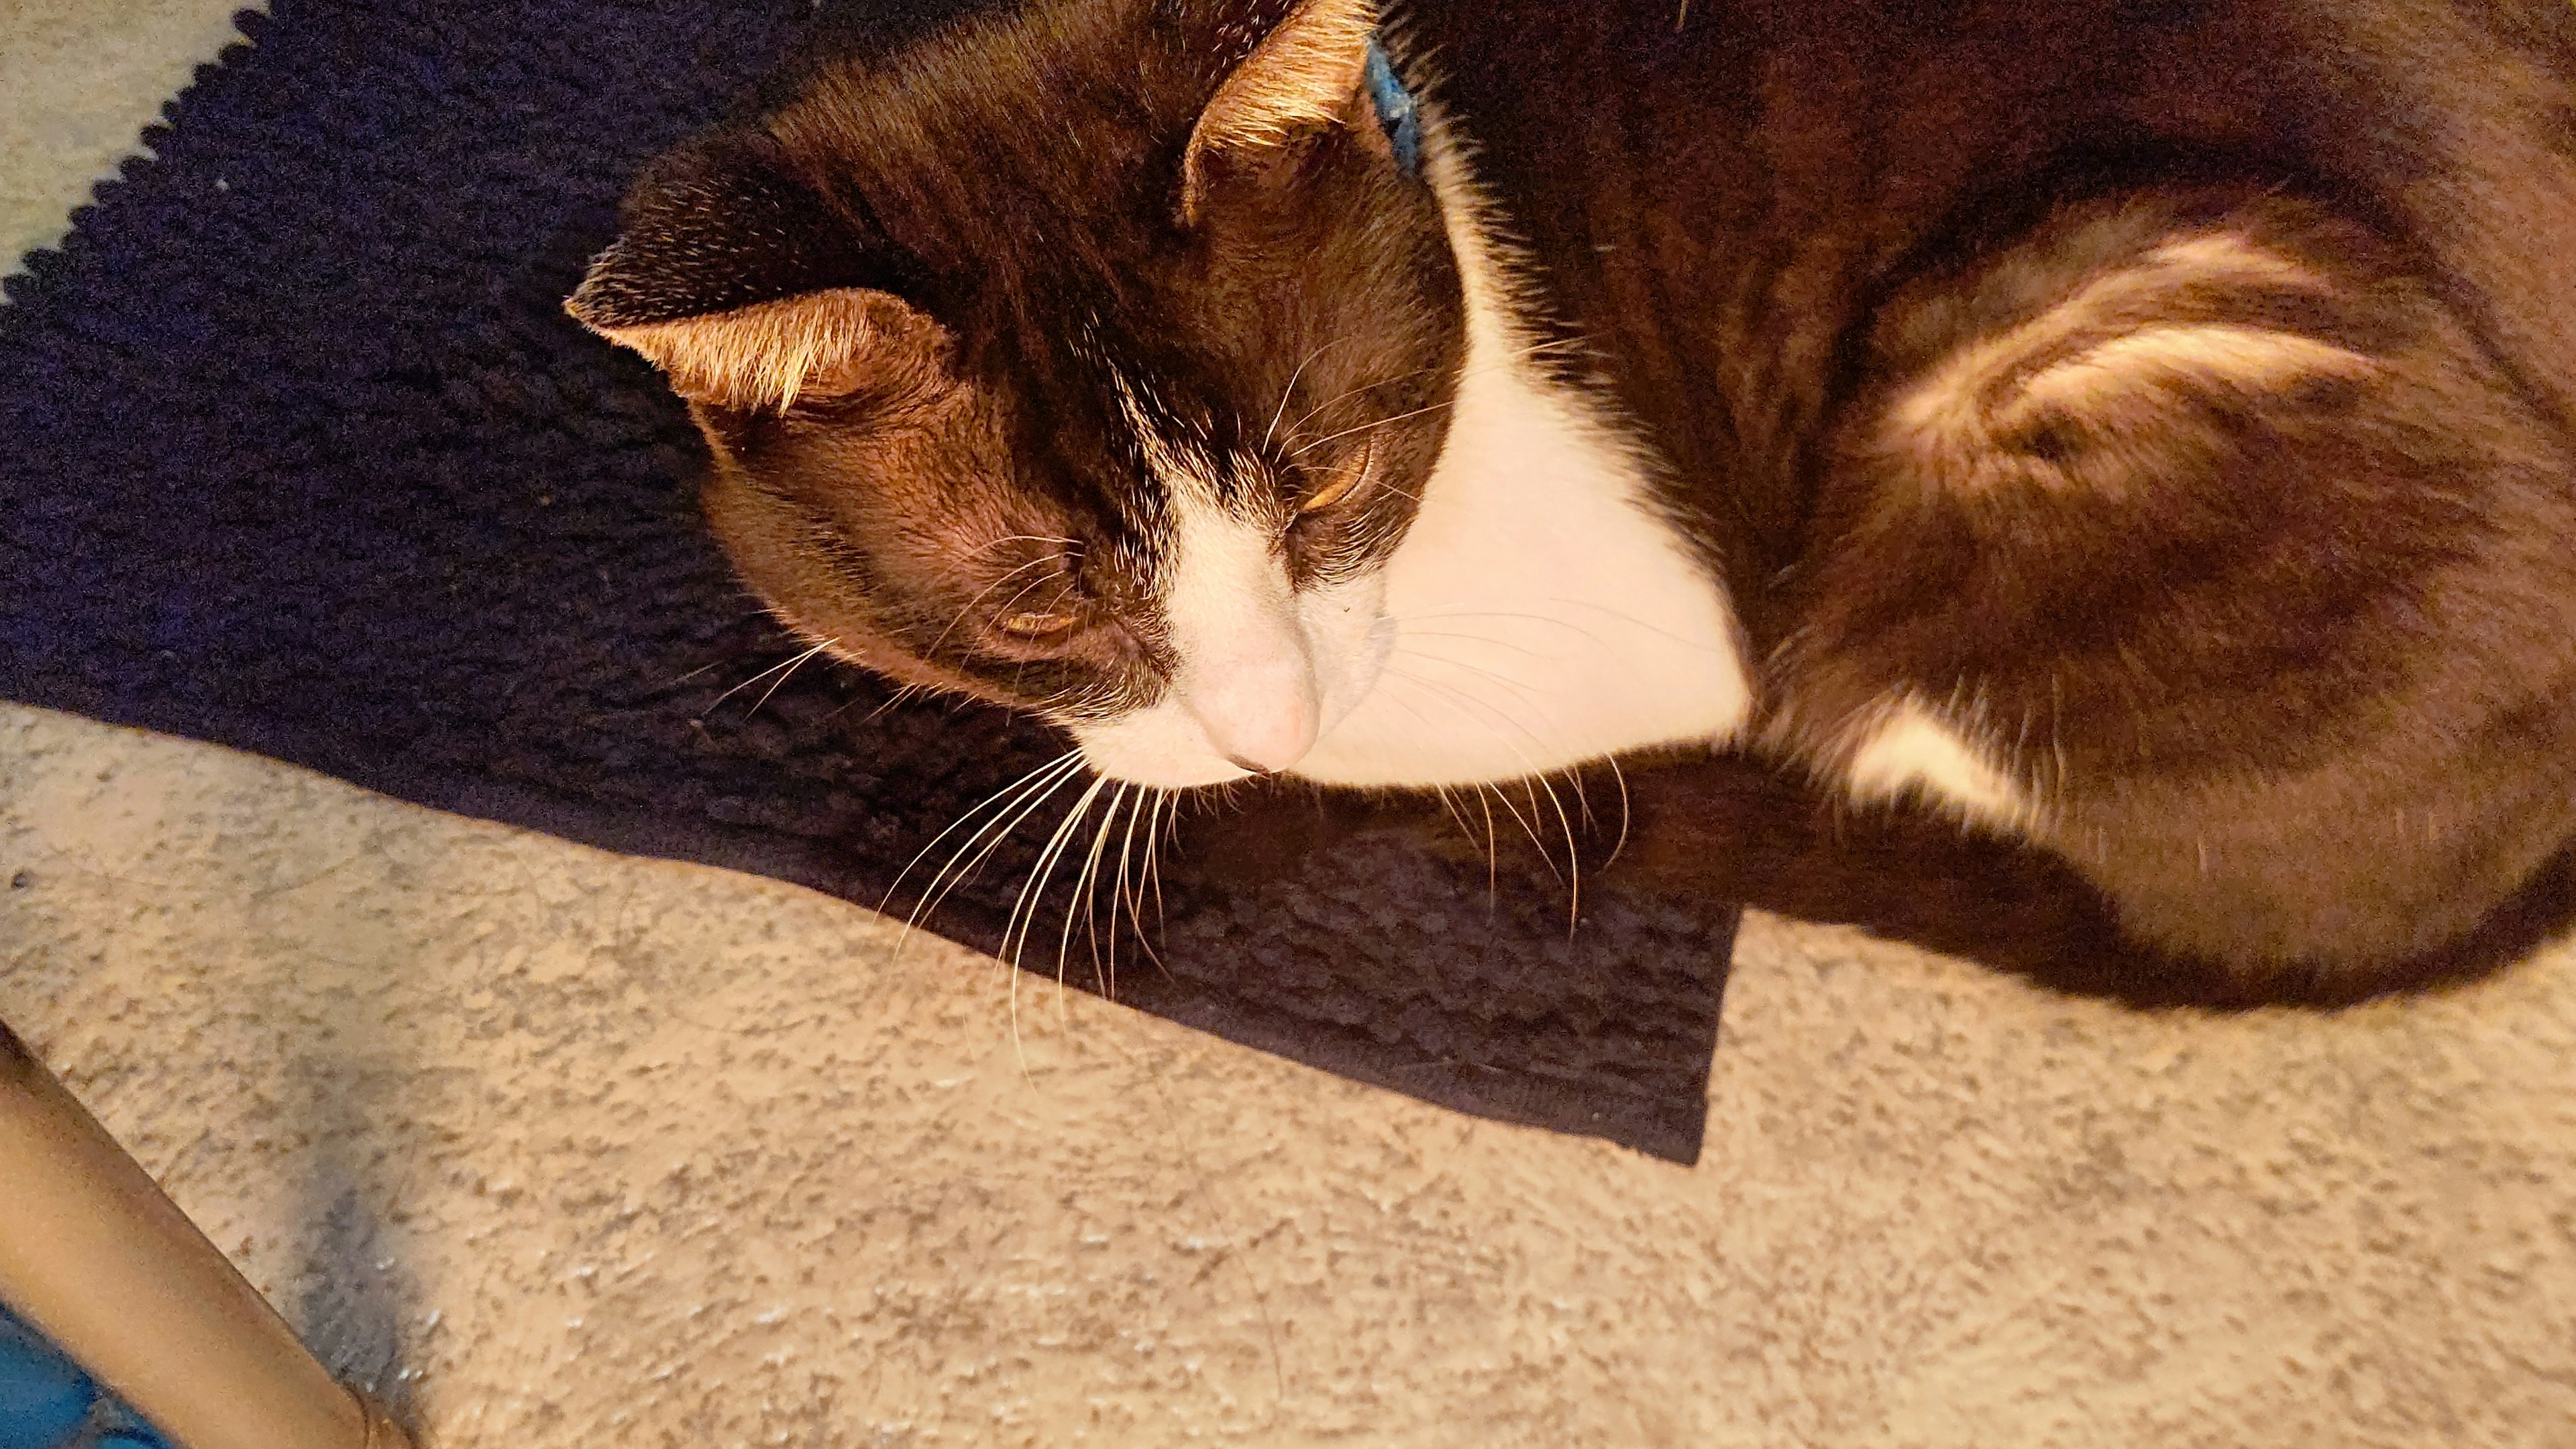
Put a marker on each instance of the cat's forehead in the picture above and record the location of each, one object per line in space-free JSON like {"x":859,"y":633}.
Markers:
{"x":1018,"y":137}
{"x":1181,"y":453}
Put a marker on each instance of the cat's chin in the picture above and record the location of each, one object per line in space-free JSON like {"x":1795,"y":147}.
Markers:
{"x":1161,"y":748}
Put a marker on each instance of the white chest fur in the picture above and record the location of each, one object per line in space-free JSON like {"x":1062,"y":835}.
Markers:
{"x":1539,"y":612}
{"x":1545,"y":614}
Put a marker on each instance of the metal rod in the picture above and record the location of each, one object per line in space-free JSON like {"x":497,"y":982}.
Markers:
{"x":94,"y":1255}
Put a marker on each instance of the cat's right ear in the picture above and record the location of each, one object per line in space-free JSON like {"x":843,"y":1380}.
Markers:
{"x":746,"y":287}
{"x":1303,"y":77}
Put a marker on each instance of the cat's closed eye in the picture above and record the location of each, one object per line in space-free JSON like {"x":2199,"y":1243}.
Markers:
{"x":1039,"y":625}
{"x":2179,"y":520}
{"x":1343,"y":481}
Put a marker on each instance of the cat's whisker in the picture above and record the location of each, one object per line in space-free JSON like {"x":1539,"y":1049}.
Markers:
{"x":1521,"y":692}
{"x":1144,"y":865}
{"x":982,"y":844}
{"x":969,"y":606}
{"x":1082,"y":893}
{"x":1457,"y":817}
{"x":1493,"y":860}
{"x":790,"y":673}
{"x":1165,"y":802}
{"x":959,"y":823}
{"x":1119,"y":896}
{"x":1304,"y":448}
{"x":1449,"y":807}
{"x":1032,"y":892}
{"x":1405,"y":624}
{"x":1625,"y":617}
{"x":788,"y":665}
{"x":1105,"y":965}
{"x":1620,"y":777}
{"x":1106,"y":968}
{"x":1502,"y":362}
{"x":990,"y":836}
{"x":1534,"y":784}
{"x":993,"y":544}
{"x":1527,"y":827}
{"x":1475,"y":638}
{"x":909,"y":691}
{"x":1493,"y":853}
{"x":1573,"y":775}
{"x":1024,"y":908}
{"x":1272,"y":432}
{"x":1060,"y":762}
{"x":1389,"y":381}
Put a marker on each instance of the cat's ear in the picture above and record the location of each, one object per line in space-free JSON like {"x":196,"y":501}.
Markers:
{"x":745,"y":286}
{"x":1304,"y":76}
{"x":764,"y":357}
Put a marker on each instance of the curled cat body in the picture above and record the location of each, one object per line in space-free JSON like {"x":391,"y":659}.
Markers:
{"x":2138,"y":438}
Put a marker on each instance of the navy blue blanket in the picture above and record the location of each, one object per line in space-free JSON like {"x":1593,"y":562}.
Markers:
{"x":302,"y":457}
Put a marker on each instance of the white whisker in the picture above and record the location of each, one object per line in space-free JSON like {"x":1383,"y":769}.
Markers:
{"x":1059,"y":763}
{"x":992,"y":835}
{"x":792,"y":666}
{"x":1533,"y":784}
{"x":1307,"y":447}
{"x":1132,"y":896}
{"x":1024,"y":910}
{"x":1082,"y":885}
{"x":787,"y":665}
{"x":969,"y":606}
{"x":1165,"y":801}
{"x":1272,"y":432}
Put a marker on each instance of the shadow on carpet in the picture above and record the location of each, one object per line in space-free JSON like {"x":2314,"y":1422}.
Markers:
{"x":304,"y":459}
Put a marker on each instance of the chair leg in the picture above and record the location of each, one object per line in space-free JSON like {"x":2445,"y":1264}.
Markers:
{"x":93,"y":1254}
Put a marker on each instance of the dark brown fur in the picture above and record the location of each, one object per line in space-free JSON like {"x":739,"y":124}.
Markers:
{"x":2290,"y":665}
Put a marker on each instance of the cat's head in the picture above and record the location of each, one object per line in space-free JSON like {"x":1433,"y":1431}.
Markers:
{"x":1086,"y":359}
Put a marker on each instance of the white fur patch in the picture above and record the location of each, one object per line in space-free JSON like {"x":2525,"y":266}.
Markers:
{"x":1544,"y":612}
{"x":1263,"y":669}
{"x":1539,"y":613}
{"x":1911,"y":749}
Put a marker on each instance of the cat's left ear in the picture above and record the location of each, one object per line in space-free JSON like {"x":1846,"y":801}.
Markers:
{"x":733,"y":275}
{"x":1305,"y":76}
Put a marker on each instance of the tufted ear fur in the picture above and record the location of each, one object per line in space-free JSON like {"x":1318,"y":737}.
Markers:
{"x":746,"y":286}
{"x":765,"y":356}
{"x":1303,"y":77}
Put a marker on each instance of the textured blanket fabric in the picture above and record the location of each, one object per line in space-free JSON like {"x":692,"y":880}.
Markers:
{"x":303,"y":458}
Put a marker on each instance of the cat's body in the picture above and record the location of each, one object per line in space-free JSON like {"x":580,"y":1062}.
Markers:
{"x":2144,"y":432}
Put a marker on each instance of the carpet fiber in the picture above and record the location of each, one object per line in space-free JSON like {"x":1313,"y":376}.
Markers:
{"x":306,"y":460}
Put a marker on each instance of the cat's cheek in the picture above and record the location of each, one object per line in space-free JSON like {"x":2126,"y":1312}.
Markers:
{"x":1349,"y":638}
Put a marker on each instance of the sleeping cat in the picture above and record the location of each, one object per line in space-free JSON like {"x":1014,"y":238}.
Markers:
{"x":2143,"y":432}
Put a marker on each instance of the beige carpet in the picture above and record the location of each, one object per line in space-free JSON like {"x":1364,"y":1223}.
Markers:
{"x":561,"y":1149}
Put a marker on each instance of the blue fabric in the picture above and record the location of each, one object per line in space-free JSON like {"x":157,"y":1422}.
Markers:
{"x":47,"y":1402}
{"x":44,"y":1397}
{"x":1396,"y":110}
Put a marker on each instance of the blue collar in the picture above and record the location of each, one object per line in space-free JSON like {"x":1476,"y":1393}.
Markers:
{"x":1396,"y":112}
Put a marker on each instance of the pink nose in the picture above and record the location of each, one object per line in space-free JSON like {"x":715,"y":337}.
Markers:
{"x":1262,"y":716}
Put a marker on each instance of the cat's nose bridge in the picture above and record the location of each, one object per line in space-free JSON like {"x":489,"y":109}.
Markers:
{"x":1246,"y":674}
{"x":1260,"y":705}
